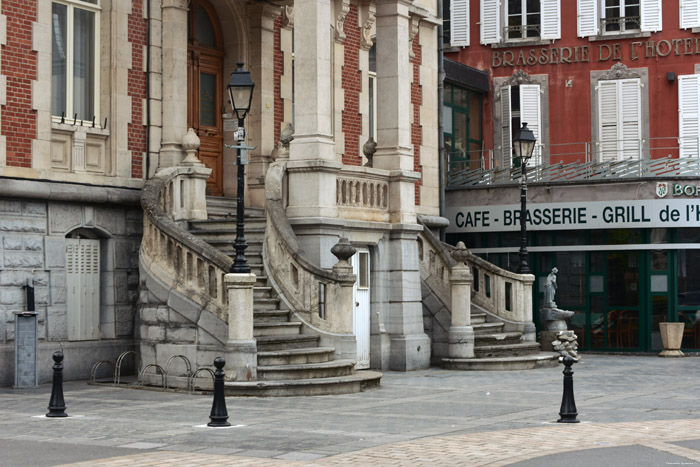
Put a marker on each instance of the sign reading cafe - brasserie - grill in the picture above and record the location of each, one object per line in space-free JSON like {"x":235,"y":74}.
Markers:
{"x":600,"y":52}
{"x":574,"y":216}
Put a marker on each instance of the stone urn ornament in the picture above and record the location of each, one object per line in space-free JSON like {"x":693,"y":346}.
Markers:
{"x":368,"y":149}
{"x":671,"y":337}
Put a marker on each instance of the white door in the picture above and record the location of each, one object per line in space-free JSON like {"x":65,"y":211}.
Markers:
{"x":361,"y":314}
{"x":83,"y":283}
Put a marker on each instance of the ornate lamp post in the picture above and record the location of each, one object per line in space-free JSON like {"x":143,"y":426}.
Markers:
{"x":240,"y":91}
{"x":524,"y":144}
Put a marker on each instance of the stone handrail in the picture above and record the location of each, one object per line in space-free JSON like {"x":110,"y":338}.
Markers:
{"x":190,"y":265}
{"x":504,"y":295}
{"x":316,"y":295}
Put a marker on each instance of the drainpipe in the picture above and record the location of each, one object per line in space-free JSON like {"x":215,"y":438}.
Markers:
{"x":441,"y":136}
{"x":148,"y":88}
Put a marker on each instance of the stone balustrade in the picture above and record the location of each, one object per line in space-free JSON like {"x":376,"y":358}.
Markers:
{"x":504,"y":295}
{"x":363,"y":193}
{"x":193,"y":267}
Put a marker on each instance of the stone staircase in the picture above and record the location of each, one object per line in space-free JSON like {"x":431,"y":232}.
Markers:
{"x":289,"y":363}
{"x":495,"y":349}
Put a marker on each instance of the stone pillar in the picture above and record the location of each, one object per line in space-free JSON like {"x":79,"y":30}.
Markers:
{"x":193,"y":191}
{"x":461,"y":333}
{"x":174,"y":50}
{"x":312,"y":166}
{"x":339,"y":304}
{"x":261,"y":121}
{"x":241,"y":349}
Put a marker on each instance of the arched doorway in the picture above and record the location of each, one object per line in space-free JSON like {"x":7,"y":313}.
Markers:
{"x":205,"y":88}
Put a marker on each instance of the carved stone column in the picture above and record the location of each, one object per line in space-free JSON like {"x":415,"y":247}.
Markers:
{"x":461,"y":333}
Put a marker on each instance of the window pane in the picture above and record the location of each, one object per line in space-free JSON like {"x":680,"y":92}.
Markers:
{"x":58,"y":59}
{"x":204,"y":28}
{"x":623,"y":279}
{"x":207,"y":99}
{"x":691,"y":333}
{"x":83,"y":63}
{"x":373,"y":60}
{"x":571,"y":291}
{"x":689,"y":277}
{"x":659,"y":310}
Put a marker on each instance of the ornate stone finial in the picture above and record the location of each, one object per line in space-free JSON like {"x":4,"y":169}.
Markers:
{"x":368,"y":149}
{"x":460,"y":253}
{"x":190,"y":143}
{"x":343,"y":250}
{"x":343,"y":7}
{"x":288,"y":16}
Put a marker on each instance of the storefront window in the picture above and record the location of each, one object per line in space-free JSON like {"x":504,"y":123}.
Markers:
{"x":689,"y":277}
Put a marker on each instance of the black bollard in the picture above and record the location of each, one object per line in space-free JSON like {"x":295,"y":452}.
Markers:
{"x":568,"y":412}
{"x":57,"y":406}
{"x":219,"y":415}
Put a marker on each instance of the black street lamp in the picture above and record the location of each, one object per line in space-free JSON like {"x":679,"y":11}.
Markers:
{"x":240,"y":91}
{"x":524,"y":144}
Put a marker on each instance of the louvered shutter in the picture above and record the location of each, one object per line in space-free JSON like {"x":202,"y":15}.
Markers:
{"x":607,"y":120}
{"x":587,"y":18}
{"x":83,"y":284}
{"x":459,"y":23}
{"x":506,"y":135}
{"x":551,"y":19}
{"x":530,"y":113}
{"x":630,"y":116}
{"x":490,"y":21}
{"x":690,"y":14}
{"x":689,"y":114}
{"x":651,"y":15}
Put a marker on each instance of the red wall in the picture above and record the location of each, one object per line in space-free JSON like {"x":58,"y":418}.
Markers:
{"x":570,"y":108}
{"x":19,"y":65}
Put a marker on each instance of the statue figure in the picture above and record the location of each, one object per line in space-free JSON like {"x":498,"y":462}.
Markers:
{"x":550,"y":287}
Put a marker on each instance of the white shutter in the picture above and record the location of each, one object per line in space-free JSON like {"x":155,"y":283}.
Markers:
{"x":689,"y":114}
{"x":607,"y":120}
{"x":490,"y":21}
{"x":587,"y":18}
{"x":551,"y":19}
{"x":506,"y":137}
{"x":630,"y":116}
{"x":690,"y":14}
{"x":459,"y":23}
{"x":651,"y":15}
{"x":83,"y":284}
{"x":530,"y":113}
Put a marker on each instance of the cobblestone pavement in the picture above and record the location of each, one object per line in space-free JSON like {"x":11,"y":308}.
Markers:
{"x":635,"y":411}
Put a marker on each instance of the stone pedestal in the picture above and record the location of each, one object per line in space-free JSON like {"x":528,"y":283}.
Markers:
{"x":671,"y":336}
{"x":461,"y":334}
{"x":241,"y":348}
{"x":546,"y":339}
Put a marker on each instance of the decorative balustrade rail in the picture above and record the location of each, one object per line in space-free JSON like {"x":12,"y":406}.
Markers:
{"x":189,"y":265}
{"x":311,"y":292}
{"x":502,"y":294}
{"x":362,"y":193}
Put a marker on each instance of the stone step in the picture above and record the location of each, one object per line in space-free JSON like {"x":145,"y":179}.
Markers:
{"x":487,"y":328}
{"x":478,"y":318}
{"x":525,"y":362}
{"x":262,"y":304}
{"x":501,"y":338}
{"x":262,"y":291}
{"x":359,"y":381}
{"x":255,"y":223}
{"x":296,"y":356}
{"x":332,"y":369}
{"x":270,"y":316}
{"x":299,"y":341}
{"x":276,"y":329}
{"x":254,"y":240}
{"x":506,"y":350}
{"x":219,"y":206}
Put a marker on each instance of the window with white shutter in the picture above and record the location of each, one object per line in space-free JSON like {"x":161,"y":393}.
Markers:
{"x":551,"y":19}
{"x":83,"y":288}
{"x":619,"y":119}
{"x":520,"y":104}
{"x":459,"y":23}
{"x":587,"y":18}
{"x":651,"y":15}
{"x":490,"y":21}
{"x":690,"y":13}
{"x":689,"y":115}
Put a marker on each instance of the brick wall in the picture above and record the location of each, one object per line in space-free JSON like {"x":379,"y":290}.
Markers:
{"x":19,"y":65}
{"x":137,"y":88}
{"x":278,"y":71}
{"x":352,"y":85}
{"x":416,"y":100}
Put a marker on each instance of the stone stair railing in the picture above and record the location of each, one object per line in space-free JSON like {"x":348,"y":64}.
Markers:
{"x":502,"y":295}
{"x":321,"y":299}
{"x":191,"y":266}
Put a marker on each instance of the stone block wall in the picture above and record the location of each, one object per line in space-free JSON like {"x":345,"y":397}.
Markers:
{"x":33,"y":248}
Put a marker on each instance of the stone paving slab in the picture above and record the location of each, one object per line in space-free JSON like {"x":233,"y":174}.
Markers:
{"x":429,"y":417}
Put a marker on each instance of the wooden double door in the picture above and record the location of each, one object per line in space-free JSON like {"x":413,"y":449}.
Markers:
{"x":205,"y":87}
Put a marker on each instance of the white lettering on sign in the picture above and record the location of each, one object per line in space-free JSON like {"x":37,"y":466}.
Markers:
{"x":574,"y":216}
